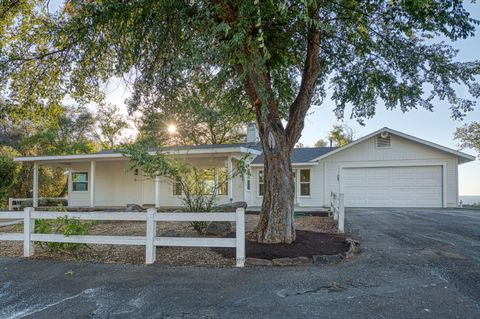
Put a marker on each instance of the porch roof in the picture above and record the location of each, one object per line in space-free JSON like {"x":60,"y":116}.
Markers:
{"x":245,"y":148}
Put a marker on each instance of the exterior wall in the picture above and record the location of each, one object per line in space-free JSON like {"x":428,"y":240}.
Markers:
{"x":403,"y":152}
{"x":116,"y":185}
{"x":316,"y":187}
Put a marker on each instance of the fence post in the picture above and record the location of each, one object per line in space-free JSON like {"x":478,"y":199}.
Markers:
{"x":240,"y":236}
{"x":10,"y":204}
{"x":341,"y":212}
{"x":28,"y":230}
{"x":151,"y":233}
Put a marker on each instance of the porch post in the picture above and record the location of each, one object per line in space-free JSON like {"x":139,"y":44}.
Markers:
{"x":35,"y":185}
{"x":92,"y":183}
{"x":230,"y":181}
{"x":215,"y":178}
{"x":157,"y":191}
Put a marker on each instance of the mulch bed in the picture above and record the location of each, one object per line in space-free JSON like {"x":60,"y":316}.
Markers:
{"x":308,"y":243}
{"x":316,"y":235}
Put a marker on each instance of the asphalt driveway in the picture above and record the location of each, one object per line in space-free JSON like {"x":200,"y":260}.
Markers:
{"x":415,"y":264}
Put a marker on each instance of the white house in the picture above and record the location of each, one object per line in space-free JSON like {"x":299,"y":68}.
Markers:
{"x":386,"y":168}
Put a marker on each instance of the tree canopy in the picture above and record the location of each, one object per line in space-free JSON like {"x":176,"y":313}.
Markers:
{"x":469,"y":136}
{"x":278,"y":55}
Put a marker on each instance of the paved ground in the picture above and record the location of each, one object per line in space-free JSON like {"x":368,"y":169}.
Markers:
{"x":415,"y":264}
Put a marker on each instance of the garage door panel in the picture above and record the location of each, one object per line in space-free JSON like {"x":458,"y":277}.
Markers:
{"x":393,"y":186}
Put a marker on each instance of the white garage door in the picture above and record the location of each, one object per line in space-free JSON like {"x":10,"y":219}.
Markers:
{"x":393,"y":186}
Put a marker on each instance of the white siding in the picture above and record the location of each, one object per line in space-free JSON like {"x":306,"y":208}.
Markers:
{"x":116,"y":185}
{"x":316,"y":187}
{"x":402,"y":153}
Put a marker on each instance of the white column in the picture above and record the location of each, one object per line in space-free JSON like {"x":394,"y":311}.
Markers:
{"x":92,"y":183}
{"x":215,"y":178}
{"x":230,"y":180}
{"x":157,"y":191}
{"x":35,"y":184}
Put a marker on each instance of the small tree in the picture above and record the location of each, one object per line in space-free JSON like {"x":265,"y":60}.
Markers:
{"x":341,"y":135}
{"x":320,"y":143}
{"x":187,"y":180}
{"x":469,"y":136}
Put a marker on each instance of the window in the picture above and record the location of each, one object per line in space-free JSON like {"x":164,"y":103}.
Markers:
{"x":384,"y":141}
{"x":80,"y":182}
{"x":304,"y":182}
{"x":222,"y":181}
{"x":261,"y":183}
{"x":248,"y":181}
{"x":177,"y":186}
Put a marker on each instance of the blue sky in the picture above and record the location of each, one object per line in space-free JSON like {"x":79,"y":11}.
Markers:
{"x":436,"y":126}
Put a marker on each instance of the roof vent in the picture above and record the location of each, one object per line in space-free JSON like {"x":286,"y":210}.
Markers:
{"x":384,"y":140}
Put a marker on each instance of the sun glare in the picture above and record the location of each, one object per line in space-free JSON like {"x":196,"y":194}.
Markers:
{"x":172,"y":128}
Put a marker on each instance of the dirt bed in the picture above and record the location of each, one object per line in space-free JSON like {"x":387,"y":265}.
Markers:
{"x":315,"y":235}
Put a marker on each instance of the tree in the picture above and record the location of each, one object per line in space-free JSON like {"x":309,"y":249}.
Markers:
{"x":341,"y":135}
{"x":320,"y":143}
{"x":9,"y":171}
{"x":280,"y":54}
{"x":469,"y":136}
{"x":110,"y":124}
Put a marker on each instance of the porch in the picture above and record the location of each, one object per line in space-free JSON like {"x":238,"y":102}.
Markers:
{"x":104,"y":180}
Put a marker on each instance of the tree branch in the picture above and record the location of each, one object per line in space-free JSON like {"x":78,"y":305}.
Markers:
{"x":310,"y":74}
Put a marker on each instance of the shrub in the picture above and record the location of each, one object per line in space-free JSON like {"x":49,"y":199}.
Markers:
{"x":67,"y":227}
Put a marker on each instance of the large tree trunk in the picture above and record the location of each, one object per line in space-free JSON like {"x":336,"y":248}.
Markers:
{"x":276,"y":216}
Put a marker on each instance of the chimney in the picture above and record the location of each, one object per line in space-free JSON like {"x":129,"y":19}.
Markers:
{"x":252,"y":133}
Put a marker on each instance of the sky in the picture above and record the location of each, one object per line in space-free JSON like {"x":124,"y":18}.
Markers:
{"x":436,"y":126}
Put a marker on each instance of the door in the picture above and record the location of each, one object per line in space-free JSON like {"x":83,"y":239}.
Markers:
{"x":415,"y":186}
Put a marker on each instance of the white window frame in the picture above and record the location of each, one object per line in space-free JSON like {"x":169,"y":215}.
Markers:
{"x":88,"y":181}
{"x":258,"y":182}
{"x":300,"y":182}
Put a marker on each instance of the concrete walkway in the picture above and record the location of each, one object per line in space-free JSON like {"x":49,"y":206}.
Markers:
{"x":415,"y":264}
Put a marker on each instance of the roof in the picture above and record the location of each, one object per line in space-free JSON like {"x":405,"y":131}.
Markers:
{"x":300,"y":155}
{"x":253,"y":146}
{"x":463,"y":157}
{"x":248,"y":148}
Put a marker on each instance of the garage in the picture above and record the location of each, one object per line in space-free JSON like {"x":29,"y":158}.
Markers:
{"x":409,"y":186}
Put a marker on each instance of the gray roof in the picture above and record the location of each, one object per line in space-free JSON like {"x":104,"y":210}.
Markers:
{"x":254,"y":146}
{"x":301,"y":155}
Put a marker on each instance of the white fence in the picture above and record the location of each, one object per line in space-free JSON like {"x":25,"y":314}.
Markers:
{"x":150,"y":240}
{"x":337,"y":207}
{"x":16,"y":203}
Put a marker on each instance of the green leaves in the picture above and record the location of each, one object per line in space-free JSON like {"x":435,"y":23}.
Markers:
{"x":368,"y":51}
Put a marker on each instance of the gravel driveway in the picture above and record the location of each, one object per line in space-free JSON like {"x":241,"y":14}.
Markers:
{"x":416,"y":263}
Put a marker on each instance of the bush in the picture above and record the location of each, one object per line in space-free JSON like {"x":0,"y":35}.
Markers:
{"x":67,"y":227}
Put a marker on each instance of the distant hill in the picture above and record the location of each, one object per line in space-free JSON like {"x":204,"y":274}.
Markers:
{"x":470,"y":199}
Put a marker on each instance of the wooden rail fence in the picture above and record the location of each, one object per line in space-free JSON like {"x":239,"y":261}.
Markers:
{"x":150,"y":240}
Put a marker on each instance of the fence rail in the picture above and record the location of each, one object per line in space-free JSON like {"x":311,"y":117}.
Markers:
{"x":150,"y":240}
{"x":15,"y":203}
{"x":337,"y":207}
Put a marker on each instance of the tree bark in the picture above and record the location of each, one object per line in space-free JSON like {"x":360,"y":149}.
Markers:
{"x":277,"y":213}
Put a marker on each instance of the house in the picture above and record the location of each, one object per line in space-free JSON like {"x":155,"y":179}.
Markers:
{"x":386,"y":168}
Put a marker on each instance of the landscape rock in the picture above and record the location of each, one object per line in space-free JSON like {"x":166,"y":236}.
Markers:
{"x":295,"y":261}
{"x":229,"y":207}
{"x":219,"y":228}
{"x":326,"y":259}
{"x":258,"y":262}
{"x":354,"y":247}
{"x":134,"y":208}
